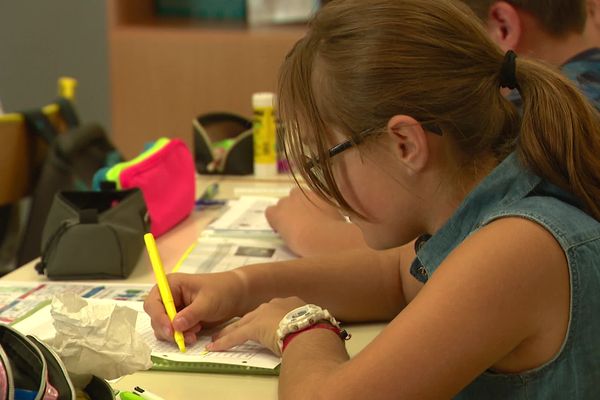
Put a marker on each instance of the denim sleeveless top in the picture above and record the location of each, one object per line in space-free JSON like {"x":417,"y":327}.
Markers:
{"x":512,"y":191}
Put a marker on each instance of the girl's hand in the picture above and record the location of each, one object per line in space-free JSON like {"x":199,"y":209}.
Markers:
{"x":201,"y":300}
{"x":259,"y":325}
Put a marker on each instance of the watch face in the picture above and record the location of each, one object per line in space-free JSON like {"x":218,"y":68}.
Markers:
{"x":302,"y":317}
{"x":299,"y":313}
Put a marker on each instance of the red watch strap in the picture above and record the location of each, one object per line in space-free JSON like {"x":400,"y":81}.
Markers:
{"x":321,"y":325}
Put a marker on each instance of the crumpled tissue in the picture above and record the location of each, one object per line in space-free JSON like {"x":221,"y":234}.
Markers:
{"x":97,"y":338}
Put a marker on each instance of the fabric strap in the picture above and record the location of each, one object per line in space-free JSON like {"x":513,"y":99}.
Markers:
{"x":341,"y":333}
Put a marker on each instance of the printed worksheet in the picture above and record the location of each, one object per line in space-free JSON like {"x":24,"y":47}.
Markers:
{"x":218,"y":254}
{"x":17,"y":299}
{"x":245,"y":215}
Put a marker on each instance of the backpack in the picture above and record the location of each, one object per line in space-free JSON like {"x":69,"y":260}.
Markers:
{"x":71,"y":161}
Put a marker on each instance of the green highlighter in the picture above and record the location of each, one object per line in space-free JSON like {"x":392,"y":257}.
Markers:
{"x":130,"y":396}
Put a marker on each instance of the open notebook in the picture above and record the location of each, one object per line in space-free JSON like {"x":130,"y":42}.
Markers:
{"x":32,"y":316}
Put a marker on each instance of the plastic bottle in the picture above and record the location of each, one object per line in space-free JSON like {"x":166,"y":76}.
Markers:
{"x":265,"y":137}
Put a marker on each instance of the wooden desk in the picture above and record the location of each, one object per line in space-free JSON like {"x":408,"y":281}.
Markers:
{"x":180,"y":385}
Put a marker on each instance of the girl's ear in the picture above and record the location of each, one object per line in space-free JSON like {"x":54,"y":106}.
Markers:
{"x":409,"y":142}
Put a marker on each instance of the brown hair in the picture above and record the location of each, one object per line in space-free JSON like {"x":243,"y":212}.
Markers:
{"x":363,"y":62}
{"x":558,"y":17}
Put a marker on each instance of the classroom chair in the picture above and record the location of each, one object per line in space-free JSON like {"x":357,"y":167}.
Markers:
{"x":21,"y":157}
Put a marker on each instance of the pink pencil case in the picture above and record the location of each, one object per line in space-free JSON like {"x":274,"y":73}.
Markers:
{"x":167,"y":181}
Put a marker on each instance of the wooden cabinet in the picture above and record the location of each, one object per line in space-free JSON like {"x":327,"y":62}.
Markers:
{"x":166,"y":71}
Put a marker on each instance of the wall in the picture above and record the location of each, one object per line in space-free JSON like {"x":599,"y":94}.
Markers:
{"x":41,"y":40}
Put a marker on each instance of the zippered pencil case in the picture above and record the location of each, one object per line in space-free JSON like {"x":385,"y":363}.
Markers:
{"x":167,"y":179}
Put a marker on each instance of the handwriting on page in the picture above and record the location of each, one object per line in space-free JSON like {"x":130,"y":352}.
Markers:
{"x":248,"y":354}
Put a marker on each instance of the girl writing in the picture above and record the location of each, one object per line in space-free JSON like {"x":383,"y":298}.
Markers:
{"x":394,"y":113}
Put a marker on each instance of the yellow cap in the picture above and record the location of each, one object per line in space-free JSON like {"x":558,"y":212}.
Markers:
{"x":66,"y":87}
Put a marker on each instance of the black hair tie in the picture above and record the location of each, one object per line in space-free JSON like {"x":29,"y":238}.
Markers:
{"x":508,"y":72}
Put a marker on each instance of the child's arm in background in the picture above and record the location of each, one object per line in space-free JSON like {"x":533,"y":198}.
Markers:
{"x":311,"y":227}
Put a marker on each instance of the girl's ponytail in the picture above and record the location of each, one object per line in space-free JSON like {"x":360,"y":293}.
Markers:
{"x":560,"y":133}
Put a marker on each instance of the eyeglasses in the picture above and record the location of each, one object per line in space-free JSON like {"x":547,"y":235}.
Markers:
{"x":315,"y":170}
{"x":313,"y":165}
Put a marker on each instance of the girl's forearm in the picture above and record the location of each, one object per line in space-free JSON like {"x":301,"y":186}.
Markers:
{"x":308,"y":364}
{"x":360,"y":285}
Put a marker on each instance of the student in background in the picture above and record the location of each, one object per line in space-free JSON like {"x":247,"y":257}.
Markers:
{"x":502,"y":298}
{"x":592,"y":27}
{"x":553,"y":33}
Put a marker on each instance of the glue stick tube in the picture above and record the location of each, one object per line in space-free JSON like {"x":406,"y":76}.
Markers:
{"x":265,"y":138}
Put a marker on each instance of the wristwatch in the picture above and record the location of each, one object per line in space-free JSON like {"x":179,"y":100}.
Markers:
{"x":303,"y":317}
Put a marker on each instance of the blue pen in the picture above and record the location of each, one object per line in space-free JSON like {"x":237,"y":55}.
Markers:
{"x":201,"y":202}
{"x":208,"y":197}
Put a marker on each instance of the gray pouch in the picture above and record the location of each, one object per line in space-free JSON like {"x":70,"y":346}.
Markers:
{"x":93,"y":235}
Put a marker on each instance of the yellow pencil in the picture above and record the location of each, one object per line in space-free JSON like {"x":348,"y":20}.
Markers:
{"x":163,"y":286}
